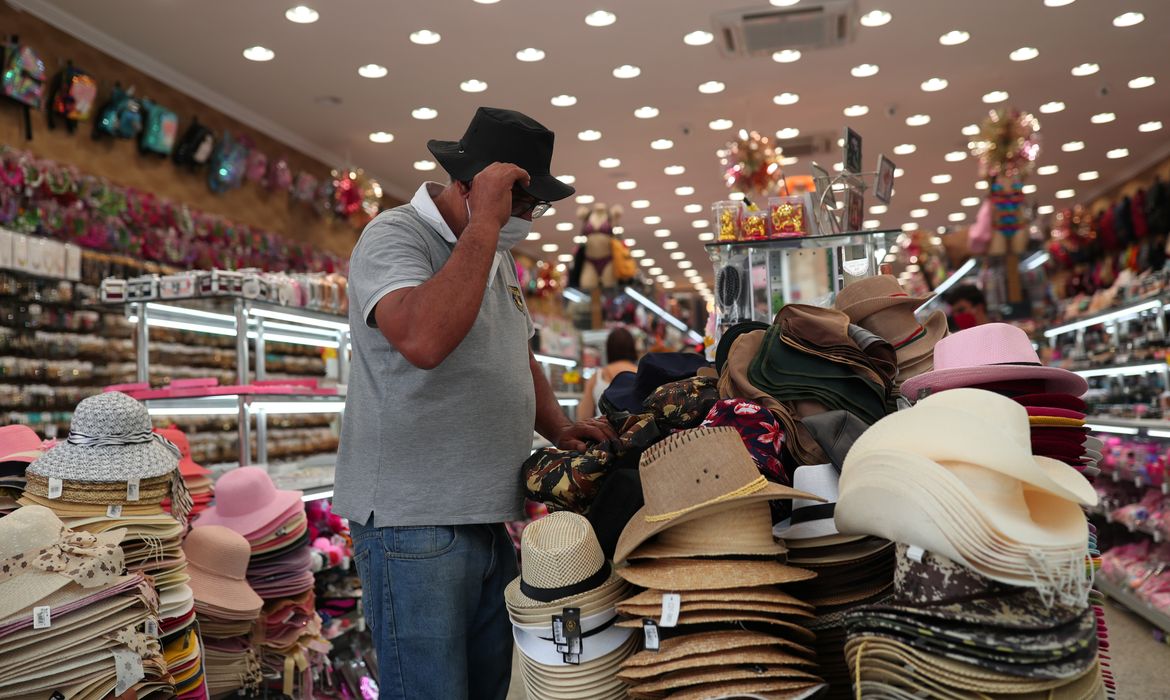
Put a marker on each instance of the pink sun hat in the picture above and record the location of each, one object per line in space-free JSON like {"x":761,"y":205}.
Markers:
{"x":993,"y":352}
{"x":246,"y":501}
{"x":19,"y":443}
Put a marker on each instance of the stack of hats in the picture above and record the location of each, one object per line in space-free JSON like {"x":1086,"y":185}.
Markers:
{"x":217,"y":561}
{"x":954,"y":477}
{"x":702,"y":548}
{"x":113,"y":473}
{"x":563,"y":613}
{"x":64,"y":597}
{"x":19,"y":446}
{"x":880,"y":306}
{"x":196,"y":477}
{"x":275,"y":526}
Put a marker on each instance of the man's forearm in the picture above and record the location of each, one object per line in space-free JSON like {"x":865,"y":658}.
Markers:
{"x":550,"y":419}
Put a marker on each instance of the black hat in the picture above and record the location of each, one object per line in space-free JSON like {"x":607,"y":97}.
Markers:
{"x":505,"y":136}
{"x":658,"y":368}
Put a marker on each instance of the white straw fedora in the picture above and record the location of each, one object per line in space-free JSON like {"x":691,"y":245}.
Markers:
{"x":809,"y":518}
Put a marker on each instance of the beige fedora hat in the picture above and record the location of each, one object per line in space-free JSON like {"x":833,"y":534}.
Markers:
{"x":867,"y":296}
{"x":756,"y":594}
{"x":706,"y":574}
{"x":690,"y":474}
{"x":706,"y":536}
{"x":563,"y":566}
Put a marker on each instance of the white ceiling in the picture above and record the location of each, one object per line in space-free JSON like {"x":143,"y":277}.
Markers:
{"x":203,"y":41}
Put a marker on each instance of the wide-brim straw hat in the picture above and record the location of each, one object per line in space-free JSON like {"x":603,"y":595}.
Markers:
{"x":217,"y":562}
{"x":706,"y":642}
{"x":707,"y":676}
{"x":690,"y":474}
{"x":706,"y":574}
{"x":751,"y":655}
{"x":247,"y":501}
{"x":756,"y":594}
{"x":707,"y":536}
{"x":563,"y":565}
{"x":867,"y":296}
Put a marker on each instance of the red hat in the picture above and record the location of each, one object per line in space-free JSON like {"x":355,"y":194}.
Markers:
{"x":187,"y":466}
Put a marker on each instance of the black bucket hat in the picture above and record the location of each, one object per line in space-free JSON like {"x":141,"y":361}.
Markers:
{"x":505,"y":136}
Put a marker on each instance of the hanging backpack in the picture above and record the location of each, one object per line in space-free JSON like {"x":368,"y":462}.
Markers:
{"x":121,"y":116}
{"x":160,"y":128}
{"x":73,"y":97}
{"x":24,"y":80}
{"x":228,"y":164}
{"x":196,"y":146}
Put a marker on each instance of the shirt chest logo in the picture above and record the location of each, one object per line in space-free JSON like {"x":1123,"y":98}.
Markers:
{"x":517,"y":297}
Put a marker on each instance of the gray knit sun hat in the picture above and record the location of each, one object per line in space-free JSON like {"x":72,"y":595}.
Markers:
{"x":110,"y":440}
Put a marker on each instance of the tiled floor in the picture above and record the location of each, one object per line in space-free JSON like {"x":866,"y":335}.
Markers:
{"x":1141,"y":664}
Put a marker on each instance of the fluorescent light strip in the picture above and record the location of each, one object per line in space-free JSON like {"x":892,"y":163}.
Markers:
{"x":1158,"y":433}
{"x":949,"y":282}
{"x":1122,"y":371}
{"x":317,"y":496}
{"x":1036,"y":260}
{"x":1118,"y":430}
{"x":574,"y":295}
{"x":293,"y":328}
{"x":563,"y":362}
{"x":192,"y":411}
{"x":193,"y":313}
{"x":568,"y":402}
{"x":657,"y":310}
{"x":1104,"y":318}
{"x":184,"y":326}
{"x":298,"y":406}
{"x":295,"y":340}
{"x":303,"y":320}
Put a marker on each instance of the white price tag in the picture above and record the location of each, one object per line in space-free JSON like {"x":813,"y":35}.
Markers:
{"x":915,"y":552}
{"x":41,"y":617}
{"x":128,"y":666}
{"x":55,"y":488}
{"x":671,"y":603}
{"x":650,"y":632}
{"x":1166,"y":488}
{"x":132,"y":490}
{"x":114,"y":510}
{"x":151,"y":627}
{"x":1138,"y":482}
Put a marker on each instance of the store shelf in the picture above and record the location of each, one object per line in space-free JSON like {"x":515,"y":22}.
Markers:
{"x":1123,"y":370}
{"x":836,"y":240}
{"x":1118,"y":315}
{"x":229,"y":404}
{"x":1135,"y":604}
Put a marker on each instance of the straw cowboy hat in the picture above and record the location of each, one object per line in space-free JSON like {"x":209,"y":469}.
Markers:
{"x":993,"y":352}
{"x":707,"y":536}
{"x":866,"y":297}
{"x":563,"y":566}
{"x":692,"y":474}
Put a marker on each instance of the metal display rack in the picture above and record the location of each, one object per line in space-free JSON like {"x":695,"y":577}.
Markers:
{"x":1136,"y":605}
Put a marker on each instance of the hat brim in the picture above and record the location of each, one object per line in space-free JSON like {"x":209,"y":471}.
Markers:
{"x":106,"y":463}
{"x":253,"y":521}
{"x":515,"y":598}
{"x":223,"y":592}
{"x":188,"y":467}
{"x":823,"y":527}
{"x":867,"y":307}
{"x":1054,"y":379}
{"x":704,"y":574}
{"x":463,"y":166}
{"x":917,"y":351}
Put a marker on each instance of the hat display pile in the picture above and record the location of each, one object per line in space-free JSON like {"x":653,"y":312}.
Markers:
{"x":19,"y":446}
{"x":196,"y":477}
{"x":65,"y":596}
{"x":566,"y":584}
{"x":112,"y":473}
{"x":702,"y":549}
{"x":954,"y":478}
{"x":227,"y":607}
{"x":881,"y":306}
{"x":274,"y":524}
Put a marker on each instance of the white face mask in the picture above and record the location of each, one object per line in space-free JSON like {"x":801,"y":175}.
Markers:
{"x":511,"y":233}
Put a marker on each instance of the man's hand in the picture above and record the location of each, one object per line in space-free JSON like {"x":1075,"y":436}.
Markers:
{"x":490,"y":198}
{"x":575,"y":435}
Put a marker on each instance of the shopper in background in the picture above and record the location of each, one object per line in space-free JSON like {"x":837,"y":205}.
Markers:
{"x":443,"y":398}
{"x":968,"y":306}
{"x":621,"y":355}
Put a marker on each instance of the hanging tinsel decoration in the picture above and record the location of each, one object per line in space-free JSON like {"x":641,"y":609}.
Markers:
{"x":751,"y":165}
{"x":1007,"y":145}
{"x":355,"y":196}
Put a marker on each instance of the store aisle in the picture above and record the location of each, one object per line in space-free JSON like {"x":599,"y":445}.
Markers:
{"x":1139,"y":661}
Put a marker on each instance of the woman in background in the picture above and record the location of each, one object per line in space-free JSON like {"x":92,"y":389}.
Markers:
{"x":621,"y":355}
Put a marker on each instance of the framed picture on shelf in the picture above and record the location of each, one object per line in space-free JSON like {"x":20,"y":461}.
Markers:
{"x":885,"y":179}
{"x":852,"y":159}
{"x":854,"y":208}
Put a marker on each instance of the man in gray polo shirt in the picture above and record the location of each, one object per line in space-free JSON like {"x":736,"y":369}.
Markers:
{"x":444,"y":394}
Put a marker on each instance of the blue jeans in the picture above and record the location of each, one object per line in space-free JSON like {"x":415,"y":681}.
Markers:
{"x":434,"y":603}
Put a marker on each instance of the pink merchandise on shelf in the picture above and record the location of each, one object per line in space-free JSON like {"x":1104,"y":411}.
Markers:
{"x":193,"y":388}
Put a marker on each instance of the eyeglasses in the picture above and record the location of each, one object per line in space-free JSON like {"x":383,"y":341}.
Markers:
{"x":524,"y":203}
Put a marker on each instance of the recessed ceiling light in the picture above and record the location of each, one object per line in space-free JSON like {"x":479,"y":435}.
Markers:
{"x":928,"y":197}
{"x":640,"y":204}
{"x":910,"y":226}
{"x":678,"y":255}
{"x":711,"y":87}
{"x":970,"y":201}
{"x":567,"y":179}
{"x":532,"y":236}
{"x":1066,"y":194}
{"x":565,"y":226}
{"x":788,"y":161}
{"x":1058,"y":3}
{"x":670,"y":245}
{"x":707,"y":236}
{"x":565,"y":257}
{"x":674,"y":170}
{"x":956,"y":216}
{"x":1117,"y":153}
{"x":550,"y":247}
{"x":637,"y":253}
{"x":487,"y":2}
{"x":1143,"y":81}
{"x":1052,"y":107}
{"x":550,"y":212}
{"x":693,"y":208}
{"x":1051,"y":169}
{"x":646,"y":112}
{"x":473,"y":85}
{"x":918,"y":213}
{"x":1147,"y":127}
{"x":995,"y":96}
{"x":381,"y":137}
{"x":661,"y":144}
{"x":584,"y":199}
{"x":1045,"y":209}
{"x":600,"y":18}
{"x":954,"y":37}
{"x":1029,"y":189}
{"x":871,"y":223}
{"x":1088,"y":175}
{"x":934,"y":84}
{"x":1128,"y":19}
{"x":652,"y":220}
{"x":918,"y":120}
{"x":878,"y":209}
{"x":700,"y":223}
{"x":563,"y":101}
{"x":425,"y":37}
{"x":905,"y":149}
{"x":941,"y":179}
{"x":981,"y":185}
{"x":1085,"y":69}
{"x":875,"y":18}
{"x":259,"y":54}
{"x":864,"y":70}
{"x":788,"y":133}
{"x":655,"y":271}
{"x":373,"y":70}
{"x":1024,"y":53}
{"x":424,"y":165}
{"x":302,"y":14}
{"x":662,"y":233}
{"x":955,"y":156}
{"x":424,"y":113}
{"x":684,"y":191}
{"x":698,"y":38}
{"x":609,"y":163}
{"x":720,"y":124}
{"x":530,"y":55}
{"x":786,"y":56}
{"x":856,"y":111}
{"x":898,"y":172}
{"x":647,"y":262}
{"x":734,"y":196}
{"x":589,"y":135}
{"x":625,"y":72}
{"x":971,"y":130}
{"x":1103,"y":117}
{"x":786,"y":98}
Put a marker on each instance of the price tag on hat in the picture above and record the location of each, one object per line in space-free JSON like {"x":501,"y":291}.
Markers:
{"x":128,"y":666}
{"x":558,"y":632}
{"x":650,"y":635}
{"x":151,"y":628}
{"x":915,"y":553}
{"x":114,"y":510}
{"x":572,"y":622}
{"x":55,"y":488}
{"x":132,"y":489}
{"x":41,"y":617}
{"x":671,"y":604}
